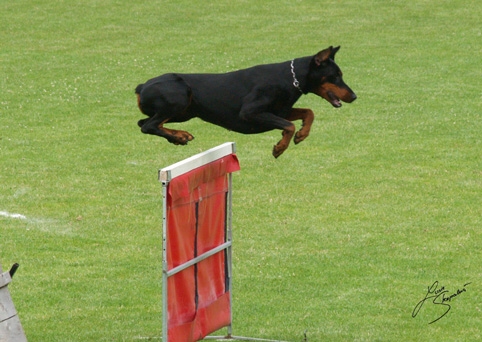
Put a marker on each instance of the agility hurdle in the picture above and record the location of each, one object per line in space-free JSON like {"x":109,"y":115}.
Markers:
{"x":197,"y":246}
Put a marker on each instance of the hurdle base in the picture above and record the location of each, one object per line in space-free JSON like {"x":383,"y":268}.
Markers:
{"x":238,"y":338}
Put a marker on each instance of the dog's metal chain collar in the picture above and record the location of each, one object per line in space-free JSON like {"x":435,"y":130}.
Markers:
{"x":296,"y":83}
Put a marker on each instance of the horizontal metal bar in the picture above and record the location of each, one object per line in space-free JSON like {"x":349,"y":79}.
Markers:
{"x":203,"y":256}
{"x":168,"y":173}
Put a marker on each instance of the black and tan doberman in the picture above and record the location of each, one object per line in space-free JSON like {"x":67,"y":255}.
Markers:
{"x":248,"y":101}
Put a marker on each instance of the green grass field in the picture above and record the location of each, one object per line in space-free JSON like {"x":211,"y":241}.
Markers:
{"x":340,"y":237}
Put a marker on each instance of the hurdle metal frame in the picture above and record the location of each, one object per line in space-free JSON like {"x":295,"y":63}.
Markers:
{"x":165,"y":176}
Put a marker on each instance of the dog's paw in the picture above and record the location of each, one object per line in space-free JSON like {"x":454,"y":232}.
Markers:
{"x":141,"y":123}
{"x":278,"y":150}
{"x":300,"y":136}
{"x":180,"y":137}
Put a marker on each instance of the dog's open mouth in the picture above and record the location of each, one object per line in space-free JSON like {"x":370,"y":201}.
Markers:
{"x":335,"y":101}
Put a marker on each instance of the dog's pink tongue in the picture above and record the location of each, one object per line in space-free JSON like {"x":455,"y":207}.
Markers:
{"x":336,"y":103}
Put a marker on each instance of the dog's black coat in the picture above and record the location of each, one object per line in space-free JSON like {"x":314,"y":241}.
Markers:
{"x":253,"y":100}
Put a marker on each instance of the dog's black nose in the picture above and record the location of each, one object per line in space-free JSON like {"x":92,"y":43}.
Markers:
{"x":353,"y":96}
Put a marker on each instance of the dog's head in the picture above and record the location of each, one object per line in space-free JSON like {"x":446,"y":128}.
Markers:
{"x":325,"y":78}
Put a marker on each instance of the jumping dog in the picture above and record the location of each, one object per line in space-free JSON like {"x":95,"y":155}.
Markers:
{"x":248,"y":101}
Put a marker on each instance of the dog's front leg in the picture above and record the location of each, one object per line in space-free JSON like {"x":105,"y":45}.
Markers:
{"x":256,"y":110}
{"x":283,"y":144}
{"x":306,"y":116}
{"x":272,"y":121}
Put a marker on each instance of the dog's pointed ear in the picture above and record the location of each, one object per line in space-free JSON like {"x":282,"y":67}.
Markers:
{"x":325,"y":54}
{"x":333,"y":52}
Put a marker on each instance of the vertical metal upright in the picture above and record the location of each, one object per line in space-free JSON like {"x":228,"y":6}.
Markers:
{"x":229,"y":250}
{"x":164,"y":261}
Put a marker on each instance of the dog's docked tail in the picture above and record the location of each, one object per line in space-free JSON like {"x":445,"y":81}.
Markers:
{"x":139,"y":88}
{"x":138,"y":93}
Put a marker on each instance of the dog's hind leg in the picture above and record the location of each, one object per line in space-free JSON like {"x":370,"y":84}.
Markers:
{"x":166,"y":100}
{"x":306,"y":116}
{"x":154,"y":126}
{"x":177,"y":137}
